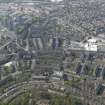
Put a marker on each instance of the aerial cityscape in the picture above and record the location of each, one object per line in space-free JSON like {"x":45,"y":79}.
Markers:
{"x":52,"y":52}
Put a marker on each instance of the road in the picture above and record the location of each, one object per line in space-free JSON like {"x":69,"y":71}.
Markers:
{"x":17,"y":89}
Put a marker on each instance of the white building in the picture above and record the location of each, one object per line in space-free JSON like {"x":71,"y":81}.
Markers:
{"x":8,"y":64}
{"x":58,"y":73}
{"x":91,"y":45}
{"x":56,"y":0}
